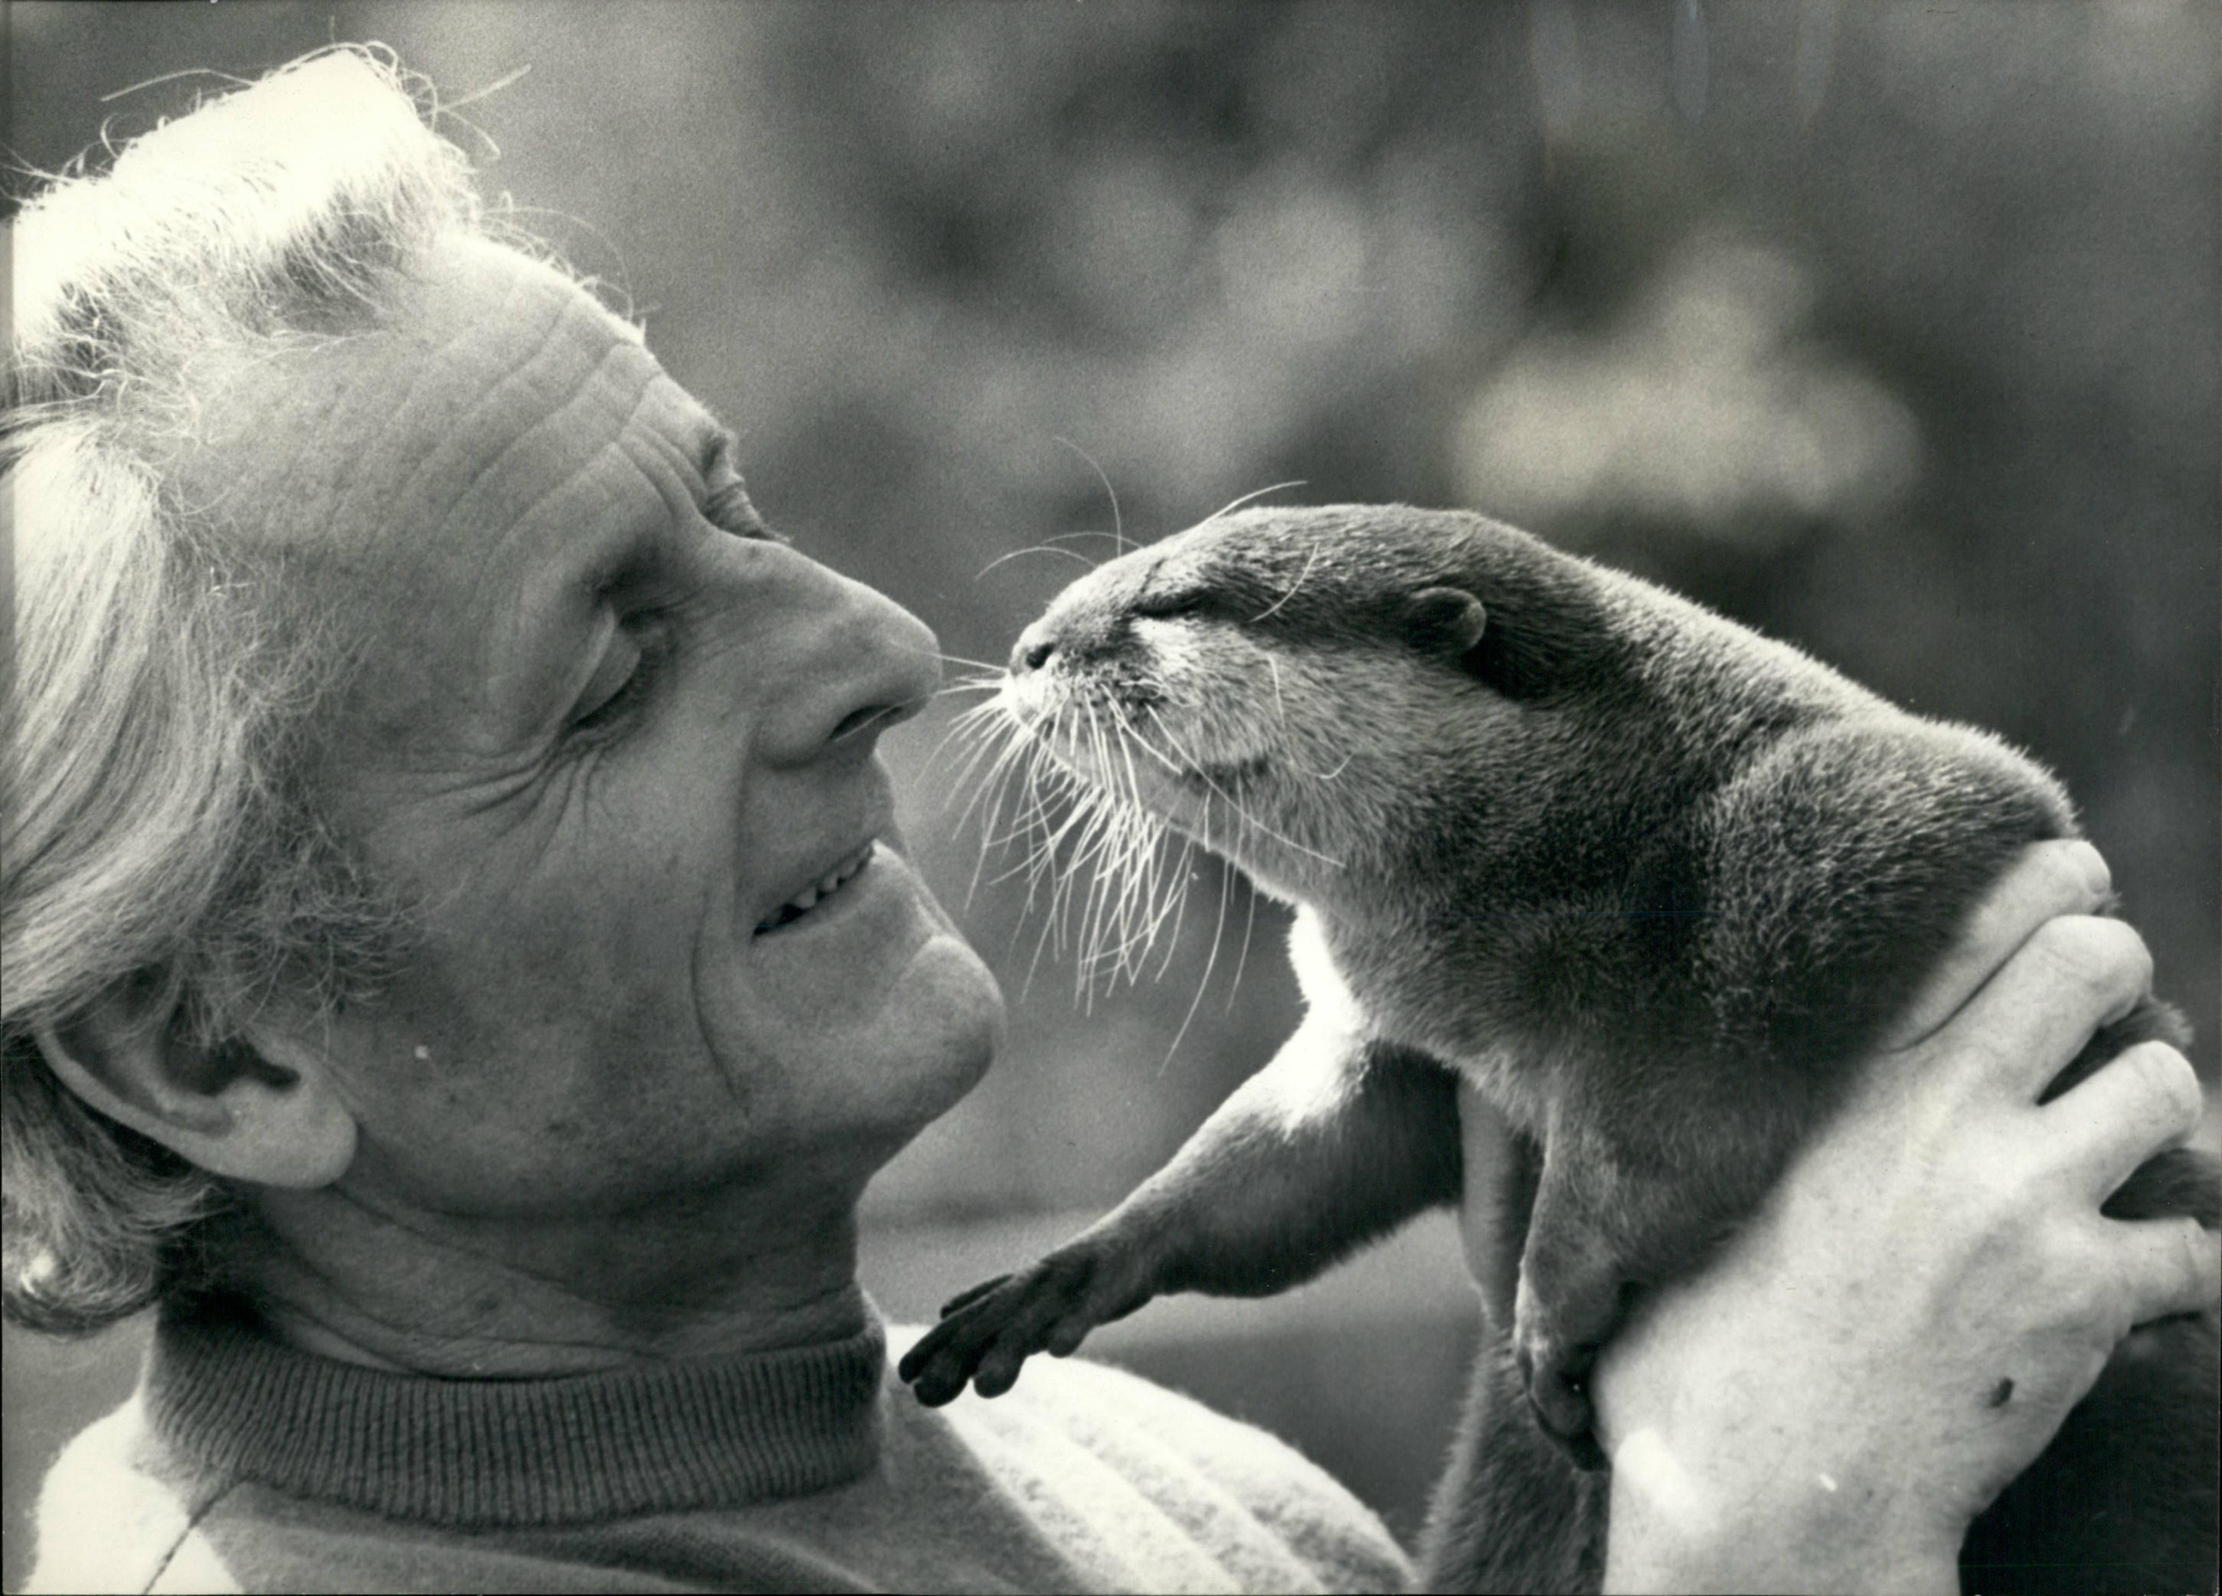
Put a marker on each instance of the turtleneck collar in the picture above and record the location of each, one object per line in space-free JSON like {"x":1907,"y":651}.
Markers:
{"x":574,"y":1449}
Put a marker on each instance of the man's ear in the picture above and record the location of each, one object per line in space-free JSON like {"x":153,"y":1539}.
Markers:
{"x":260,"y":1107}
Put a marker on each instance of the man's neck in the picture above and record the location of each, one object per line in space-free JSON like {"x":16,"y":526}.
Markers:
{"x":348,"y":1278}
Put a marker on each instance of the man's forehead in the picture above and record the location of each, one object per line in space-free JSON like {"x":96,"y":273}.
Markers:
{"x":445,"y":489}
{"x":492,"y":388}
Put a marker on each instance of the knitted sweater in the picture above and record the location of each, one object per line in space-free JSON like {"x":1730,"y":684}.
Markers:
{"x":243,"y":1465}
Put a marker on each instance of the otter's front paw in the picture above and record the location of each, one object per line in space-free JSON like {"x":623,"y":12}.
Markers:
{"x":1556,"y":1370}
{"x":987,"y":1333}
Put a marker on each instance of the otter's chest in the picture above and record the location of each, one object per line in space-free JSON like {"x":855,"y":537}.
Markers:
{"x":1434,"y":1011}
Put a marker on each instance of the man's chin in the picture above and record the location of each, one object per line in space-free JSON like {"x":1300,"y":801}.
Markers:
{"x":947,"y":1030}
{"x":972,"y":1022}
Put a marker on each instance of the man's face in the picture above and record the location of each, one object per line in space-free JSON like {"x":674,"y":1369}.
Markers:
{"x":609,"y":730}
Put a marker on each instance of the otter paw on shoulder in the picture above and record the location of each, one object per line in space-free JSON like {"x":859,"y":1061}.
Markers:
{"x":987,"y":1333}
{"x":1556,"y":1378}
{"x":1556,"y":1337}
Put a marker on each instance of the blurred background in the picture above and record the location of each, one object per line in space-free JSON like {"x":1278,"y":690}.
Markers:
{"x":1890,"y":329}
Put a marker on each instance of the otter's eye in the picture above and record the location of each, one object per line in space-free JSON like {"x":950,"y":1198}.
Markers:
{"x":1169,"y":606}
{"x":1444,"y":620}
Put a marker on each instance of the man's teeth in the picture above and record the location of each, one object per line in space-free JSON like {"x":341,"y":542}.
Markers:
{"x":825,"y":886}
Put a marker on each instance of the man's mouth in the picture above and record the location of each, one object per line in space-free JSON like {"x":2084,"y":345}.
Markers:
{"x":803,"y":902}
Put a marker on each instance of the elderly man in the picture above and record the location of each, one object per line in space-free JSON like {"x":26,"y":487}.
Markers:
{"x":461,"y":970}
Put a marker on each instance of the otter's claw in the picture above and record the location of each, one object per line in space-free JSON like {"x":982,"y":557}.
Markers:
{"x":1556,"y":1336}
{"x":987,"y":1333}
{"x":1558,"y":1397}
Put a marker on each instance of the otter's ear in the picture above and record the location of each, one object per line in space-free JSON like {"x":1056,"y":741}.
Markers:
{"x":1446,"y":621}
{"x":259,"y":1108}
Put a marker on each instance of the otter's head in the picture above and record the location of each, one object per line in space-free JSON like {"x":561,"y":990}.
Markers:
{"x":1309,"y":691}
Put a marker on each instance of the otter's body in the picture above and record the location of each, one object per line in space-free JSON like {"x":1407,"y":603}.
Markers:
{"x":1652,"y":883}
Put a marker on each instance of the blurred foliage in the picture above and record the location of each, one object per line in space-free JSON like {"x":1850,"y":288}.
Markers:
{"x":1891,"y":329}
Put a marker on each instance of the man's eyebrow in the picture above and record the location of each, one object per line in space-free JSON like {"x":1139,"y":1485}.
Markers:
{"x":719,"y":446}
{"x":715,"y":445}
{"x":643,"y":551}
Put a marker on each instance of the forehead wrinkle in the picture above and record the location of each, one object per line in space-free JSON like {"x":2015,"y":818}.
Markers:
{"x":513,"y":635}
{"x":538,"y":583}
{"x":429,"y":407}
{"x":455,"y":562}
{"x":509,"y":485}
{"x":511,"y":579}
{"x":304,"y":449}
{"x":360,"y":470}
{"x":425,"y":485}
{"x":687,"y":441}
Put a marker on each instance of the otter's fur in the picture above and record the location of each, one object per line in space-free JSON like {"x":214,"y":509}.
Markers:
{"x":1651,"y":882}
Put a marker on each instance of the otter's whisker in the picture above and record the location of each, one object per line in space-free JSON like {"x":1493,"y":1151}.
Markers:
{"x":1035,"y":548}
{"x":979,"y":734}
{"x":1142,"y":913}
{"x":1302,"y":576}
{"x":989,"y":843}
{"x":1085,"y":821}
{"x":1087,"y":910}
{"x":1143,"y":899}
{"x":1137,"y":874}
{"x":1079,"y":816}
{"x":1101,"y":834}
{"x":978,"y":727}
{"x":1084,"y":532}
{"x":1176,"y":899}
{"x":956,"y":732}
{"x":1090,"y":839}
{"x":988,"y":751}
{"x":1211,"y":962}
{"x":1013,"y":753}
{"x":1118,"y":524}
{"x":1022,"y":763}
{"x":1044,"y":856}
{"x":1007,"y":763}
{"x":1191,"y":767}
{"x":1235,"y":504}
{"x":1242,"y":959}
{"x":1094,"y":928}
{"x":1122,"y":870}
{"x":1028,"y":826}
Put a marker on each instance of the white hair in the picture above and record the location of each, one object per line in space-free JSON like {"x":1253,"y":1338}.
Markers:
{"x":153,"y":818}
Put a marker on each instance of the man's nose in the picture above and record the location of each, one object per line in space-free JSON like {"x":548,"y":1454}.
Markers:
{"x":870,"y":664}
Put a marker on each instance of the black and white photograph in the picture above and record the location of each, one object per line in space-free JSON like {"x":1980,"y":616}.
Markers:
{"x":1112,"y":795}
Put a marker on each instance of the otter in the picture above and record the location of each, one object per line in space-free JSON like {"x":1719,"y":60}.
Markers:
{"x":1651,"y":882}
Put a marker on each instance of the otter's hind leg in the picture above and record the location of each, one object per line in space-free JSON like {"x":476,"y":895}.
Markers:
{"x":2124,"y":1497}
{"x":1329,"y":1146}
{"x":1620,"y":1204}
{"x":1512,"y":1513}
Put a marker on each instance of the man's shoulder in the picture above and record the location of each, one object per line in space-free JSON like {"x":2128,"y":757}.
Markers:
{"x":117,"y":1514}
{"x":1221,"y":1476}
{"x":119,"y":1511}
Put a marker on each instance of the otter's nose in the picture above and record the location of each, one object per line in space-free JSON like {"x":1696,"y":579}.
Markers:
{"x":1083,"y":627}
{"x":1033,"y":648}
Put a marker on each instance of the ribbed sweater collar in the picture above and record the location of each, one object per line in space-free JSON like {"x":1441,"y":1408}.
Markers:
{"x":575,"y":1449}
